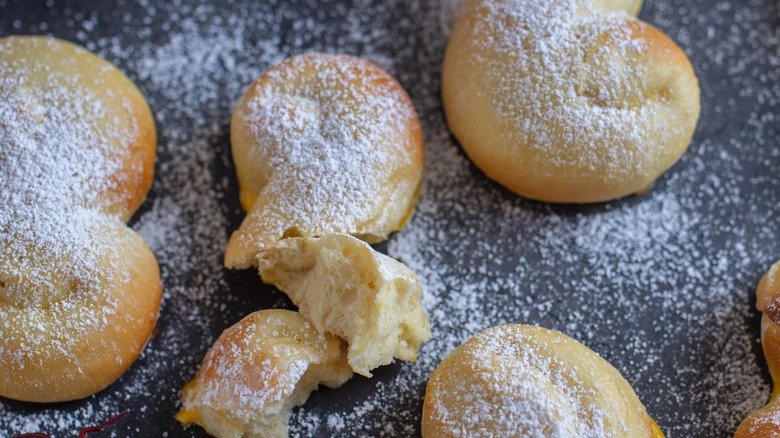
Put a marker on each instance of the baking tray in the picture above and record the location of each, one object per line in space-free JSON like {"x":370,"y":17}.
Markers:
{"x":661,"y":285}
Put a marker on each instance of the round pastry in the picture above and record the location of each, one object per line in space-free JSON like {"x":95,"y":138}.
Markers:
{"x":567,"y":100}
{"x":79,"y":290}
{"x":518,"y":380}
{"x":765,"y":422}
{"x":257,"y":371}
{"x":323,"y":144}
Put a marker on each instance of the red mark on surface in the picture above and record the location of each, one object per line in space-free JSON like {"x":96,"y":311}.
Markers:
{"x":82,"y":433}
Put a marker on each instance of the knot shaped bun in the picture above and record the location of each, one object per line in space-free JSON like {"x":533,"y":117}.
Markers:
{"x":765,"y":422}
{"x":518,"y":381}
{"x":323,"y":144}
{"x":567,"y":100}
{"x":79,"y":290}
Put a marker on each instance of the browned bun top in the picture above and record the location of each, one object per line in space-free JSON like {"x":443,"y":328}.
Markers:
{"x":567,"y":100}
{"x":765,"y":422}
{"x":520,"y":380}
{"x":257,"y":371}
{"x":323,"y":143}
{"x":79,"y":291}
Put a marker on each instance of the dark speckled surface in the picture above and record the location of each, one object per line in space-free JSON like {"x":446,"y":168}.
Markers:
{"x":669,"y":342}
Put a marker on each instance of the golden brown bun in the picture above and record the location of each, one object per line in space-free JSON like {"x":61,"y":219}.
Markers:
{"x":323,"y":144}
{"x":567,"y":100}
{"x":519,"y":380}
{"x":79,"y":290}
{"x":765,"y":422}
{"x":346,"y":288}
{"x":259,"y":369}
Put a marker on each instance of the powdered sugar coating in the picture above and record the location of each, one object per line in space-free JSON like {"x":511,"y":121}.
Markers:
{"x":659,"y":285}
{"x":567,"y":101}
{"x":68,"y":176}
{"x":553,"y":33}
{"x":519,"y":380}
{"x":57,"y":163}
{"x":256,"y":365}
{"x":323,"y":143}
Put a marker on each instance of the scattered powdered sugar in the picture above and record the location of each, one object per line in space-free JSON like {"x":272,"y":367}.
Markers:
{"x":660,"y":285}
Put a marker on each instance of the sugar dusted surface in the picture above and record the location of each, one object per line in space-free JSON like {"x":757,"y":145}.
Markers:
{"x":246,"y":382}
{"x":330,"y":144}
{"x":546,"y":106}
{"x":56,"y":164}
{"x":660,"y":285}
{"x":519,"y":385}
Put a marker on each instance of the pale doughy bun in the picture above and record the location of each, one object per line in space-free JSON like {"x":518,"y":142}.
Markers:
{"x":526,"y":381}
{"x":346,"y":288}
{"x":765,"y":422}
{"x":259,"y":369}
{"x":79,"y":290}
{"x":567,"y":100}
{"x":323,"y":144}
{"x":631,"y":7}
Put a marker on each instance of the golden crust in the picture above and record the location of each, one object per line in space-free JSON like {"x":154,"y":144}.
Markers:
{"x":517,"y":380}
{"x":98,"y":353}
{"x":88,"y":304}
{"x":301,"y":115}
{"x":572,"y":102}
{"x":257,"y":371}
{"x":765,"y":422}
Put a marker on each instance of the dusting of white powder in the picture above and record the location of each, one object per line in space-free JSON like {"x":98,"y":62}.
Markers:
{"x":328,"y":148}
{"x":561,"y":97}
{"x":660,"y":285}
{"x":58,"y":157}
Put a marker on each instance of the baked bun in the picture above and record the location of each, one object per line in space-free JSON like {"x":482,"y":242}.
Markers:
{"x":567,"y":100}
{"x":765,"y":422}
{"x":257,"y":371}
{"x":346,"y":288}
{"x":323,"y":144}
{"x":519,"y":380}
{"x":79,"y":290}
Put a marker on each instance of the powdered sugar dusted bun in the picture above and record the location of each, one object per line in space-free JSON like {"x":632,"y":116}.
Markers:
{"x":519,"y":380}
{"x":765,"y":422}
{"x":567,"y":100}
{"x":79,"y":290}
{"x":257,"y":371}
{"x":323,"y":144}
{"x":346,"y":288}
